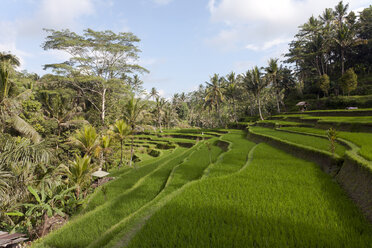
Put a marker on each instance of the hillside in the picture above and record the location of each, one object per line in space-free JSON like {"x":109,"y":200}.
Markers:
{"x":276,"y":186}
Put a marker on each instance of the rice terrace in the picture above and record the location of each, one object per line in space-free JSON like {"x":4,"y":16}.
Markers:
{"x":277,"y":155}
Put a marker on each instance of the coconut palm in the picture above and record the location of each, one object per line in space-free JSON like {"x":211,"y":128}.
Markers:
{"x":10,"y":108}
{"x":255,"y":83}
{"x":86,"y":139}
{"x":160,"y":102}
{"x":232,"y":91}
{"x":154,"y":93}
{"x":79,"y":173}
{"x":272,"y":72}
{"x":214,"y":96}
{"x":132,"y":111}
{"x":60,"y":106}
{"x":103,"y":149}
{"x":121,"y":130}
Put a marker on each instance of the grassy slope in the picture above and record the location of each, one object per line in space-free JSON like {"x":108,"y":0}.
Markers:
{"x":315,"y":142}
{"x":276,"y":201}
{"x":234,"y":159}
{"x":331,"y":119}
{"x":230,"y":161}
{"x":363,"y":140}
{"x":127,"y":179}
{"x":145,"y":186}
{"x":86,"y":228}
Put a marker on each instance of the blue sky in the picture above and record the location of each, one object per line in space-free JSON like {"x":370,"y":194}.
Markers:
{"x":183,"y":42}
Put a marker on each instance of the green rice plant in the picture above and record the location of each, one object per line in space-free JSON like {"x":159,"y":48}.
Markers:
{"x":126,"y":180}
{"x":306,"y":140}
{"x":276,"y":201}
{"x":363,"y":140}
{"x":182,"y":176}
{"x":235,"y":158}
{"x":84,"y":229}
{"x":96,"y":222}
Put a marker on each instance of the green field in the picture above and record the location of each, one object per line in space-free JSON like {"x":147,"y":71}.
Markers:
{"x":363,"y":140}
{"x":225,"y":191}
{"x":305,"y":140}
{"x":276,"y":201}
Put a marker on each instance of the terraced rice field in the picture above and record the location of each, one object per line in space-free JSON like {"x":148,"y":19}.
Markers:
{"x":223,"y":190}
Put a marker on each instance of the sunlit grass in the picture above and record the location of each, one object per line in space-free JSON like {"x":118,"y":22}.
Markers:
{"x":363,"y":140}
{"x":277,"y":201}
{"x":306,"y":140}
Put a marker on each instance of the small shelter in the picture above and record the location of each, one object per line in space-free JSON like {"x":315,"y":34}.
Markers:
{"x":302,"y":105}
{"x":100,"y":173}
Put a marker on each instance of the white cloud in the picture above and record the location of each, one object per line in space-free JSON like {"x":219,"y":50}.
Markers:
{"x":242,"y":66}
{"x":261,"y":25}
{"x":54,"y":14}
{"x":226,"y":39}
{"x":162,"y":2}
{"x":269,"y":44}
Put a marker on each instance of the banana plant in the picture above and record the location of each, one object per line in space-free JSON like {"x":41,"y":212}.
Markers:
{"x":45,"y":206}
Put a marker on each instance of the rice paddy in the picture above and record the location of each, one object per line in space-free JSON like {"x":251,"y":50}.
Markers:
{"x":222,"y":189}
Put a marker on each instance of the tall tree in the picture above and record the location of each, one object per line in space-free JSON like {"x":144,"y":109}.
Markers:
{"x":10,"y":106}
{"x":232,"y":92}
{"x":272,"y":71}
{"x":121,"y":130}
{"x":255,"y":82}
{"x":132,"y":111}
{"x":160,"y":103}
{"x":214,"y":94}
{"x":153,"y":93}
{"x":97,"y":57}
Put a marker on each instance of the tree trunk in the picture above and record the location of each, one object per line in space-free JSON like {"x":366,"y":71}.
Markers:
{"x":342,"y":61}
{"x":277,"y":94}
{"x":218,"y":114}
{"x":259,"y":107}
{"x":103,"y":111}
{"x":121,"y":153}
{"x":101,"y":160}
{"x":131,"y":151}
{"x":234,"y":109}
{"x":277,"y":100}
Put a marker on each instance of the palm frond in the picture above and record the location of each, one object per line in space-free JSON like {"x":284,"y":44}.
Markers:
{"x":25,"y":129}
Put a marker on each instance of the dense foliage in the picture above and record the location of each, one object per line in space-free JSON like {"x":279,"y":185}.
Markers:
{"x":91,"y":111}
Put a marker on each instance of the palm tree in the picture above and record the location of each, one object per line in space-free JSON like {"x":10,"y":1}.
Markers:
{"x":255,"y":83}
{"x":10,"y":108}
{"x":154,"y":93}
{"x":60,"y":106}
{"x":22,"y":163}
{"x":160,"y":102}
{"x":86,"y":139}
{"x":344,"y":35}
{"x":103,"y":150}
{"x":79,"y":173}
{"x":10,"y":58}
{"x":214,"y":96}
{"x":132,"y":111}
{"x":121,"y":130}
{"x":169,"y":115}
{"x":232,"y":91}
{"x":272,"y":73}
